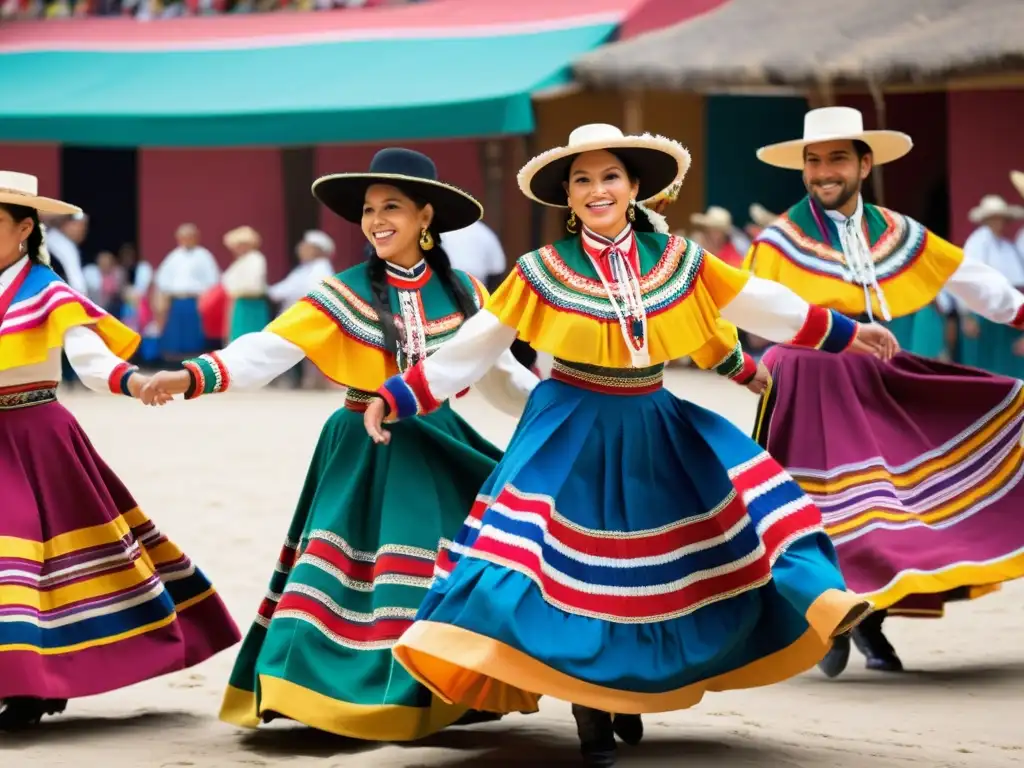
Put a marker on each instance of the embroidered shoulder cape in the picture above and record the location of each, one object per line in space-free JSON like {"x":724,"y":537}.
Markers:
{"x":43,"y":310}
{"x":336,"y":326}
{"x":555,"y":300}
{"x":802,"y":250}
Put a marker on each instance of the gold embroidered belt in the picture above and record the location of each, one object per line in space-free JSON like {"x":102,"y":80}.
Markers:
{"x":27,"y":395}
{"x":612,"y":381}
{"x":358,"y":400}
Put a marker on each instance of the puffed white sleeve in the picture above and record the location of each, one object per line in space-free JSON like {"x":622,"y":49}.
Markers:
{"x":507,"y":385}
{"x":460,"y":362}
{"x":774,"y":312}
{"x":984,"y":290}
{"x":90,"y":358}
{"x":249,"y":362}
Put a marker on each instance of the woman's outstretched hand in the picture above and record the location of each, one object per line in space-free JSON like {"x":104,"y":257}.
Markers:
{"x":373,"y":418}
{"x":874,"y":339}
{"x":163,"y":386}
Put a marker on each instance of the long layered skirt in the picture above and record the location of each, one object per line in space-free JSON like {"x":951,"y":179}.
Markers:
{"x":921,"y":333}
{"x":249,"y":314}
{"x":183,"y":334}
{"x":915,"y":464}
{"x":93,"y":597}
{"x":630,"y":552}
{"x":356,"y":562}
{"x":992,"y":349}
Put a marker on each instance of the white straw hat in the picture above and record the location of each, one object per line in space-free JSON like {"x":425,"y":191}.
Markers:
{"x":994,"y":205}
{"x":761,"y":216}
{"x":657,"y":161}
{"x":716,"y":217}
{"x":836,"y":124}
{"x":23,"y":189}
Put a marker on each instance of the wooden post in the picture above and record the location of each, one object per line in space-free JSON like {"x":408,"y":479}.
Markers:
{"x":877,"y":178}
{"x":633,"y":113}
{"x":491,"y":155}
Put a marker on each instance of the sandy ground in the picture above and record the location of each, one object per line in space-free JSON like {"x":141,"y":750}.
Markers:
{"x":221,"y":475}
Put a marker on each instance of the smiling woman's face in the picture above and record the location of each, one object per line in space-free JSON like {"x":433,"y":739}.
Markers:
{"x":392,"y":222}
{"x":599,"y":190}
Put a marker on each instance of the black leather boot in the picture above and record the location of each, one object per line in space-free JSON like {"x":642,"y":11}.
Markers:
{"x":629,"y":728}
{"x":20,"y":712}
{"x":837,"y":658}
{"x":872,"y":642}
{"x":597,"y":738}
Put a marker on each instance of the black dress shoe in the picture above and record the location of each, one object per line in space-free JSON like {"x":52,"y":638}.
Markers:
{"x":597,"y":738}
{"x":837,"y":658}
{"x":872,"y":642}
{"x":629,"y":728}
{"x":21,"y":712}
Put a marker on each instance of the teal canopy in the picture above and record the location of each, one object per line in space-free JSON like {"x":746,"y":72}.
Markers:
{"x":356,"y":91}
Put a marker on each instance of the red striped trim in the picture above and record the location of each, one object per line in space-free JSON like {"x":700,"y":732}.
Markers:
{"x":417,"y":382}
{"x":359,"y":570}
{"x":114,"y":380}
{"x":747,"y":371}
{"x":377,"y":631}
{"x":1018,"y":319}
{"x":625,"y":546}
{"x":764,"y":470}
{"x":197,"y":373}
{"x":17,"y":389}
{"x":225,"y":377}
{"x":568,"y":378}
{"x":815,"y":328}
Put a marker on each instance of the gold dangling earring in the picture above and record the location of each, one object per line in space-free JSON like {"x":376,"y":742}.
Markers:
{"x":571,"y":224}
{"x":631,"y":211}
{"x":426,"y":240}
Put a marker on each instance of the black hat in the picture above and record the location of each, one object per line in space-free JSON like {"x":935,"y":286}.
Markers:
{"x":412,"y":172}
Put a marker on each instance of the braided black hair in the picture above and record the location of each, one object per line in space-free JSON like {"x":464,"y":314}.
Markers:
{"x":438,"y":261}
{"x":642,"y":223}
{"x":34,"y":241}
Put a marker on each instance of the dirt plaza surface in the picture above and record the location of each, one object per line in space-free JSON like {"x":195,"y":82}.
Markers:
{"x":220,"y":476}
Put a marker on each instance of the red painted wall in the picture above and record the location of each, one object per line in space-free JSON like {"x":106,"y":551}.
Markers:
{"x":217,"y":189}
{"x":985,"y":144}
{"x":458,"y":163}
{"x":42,"y":160}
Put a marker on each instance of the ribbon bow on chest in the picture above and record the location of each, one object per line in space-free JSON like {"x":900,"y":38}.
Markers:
{"x":617,"y":262}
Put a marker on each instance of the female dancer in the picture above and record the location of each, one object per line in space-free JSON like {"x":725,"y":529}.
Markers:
{"x":92,"y":596}
{"x":631,"y":550}
{"x":245,"y":283}
{"x":360,"y":551}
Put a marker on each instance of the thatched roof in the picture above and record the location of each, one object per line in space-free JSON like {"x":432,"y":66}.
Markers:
{"x":805,"y":43}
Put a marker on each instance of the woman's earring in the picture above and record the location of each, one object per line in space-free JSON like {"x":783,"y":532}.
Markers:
{"x":631,"y":211}
{"x":571,"y":224}
{"x":426,"y":240}
{"x":22,"y":247}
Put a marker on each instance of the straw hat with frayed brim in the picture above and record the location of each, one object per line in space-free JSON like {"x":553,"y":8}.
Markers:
{"x":1017,"y":178}
{"x":412,"y":172}
{"x":994,"y":206}
{"x":836,"y":124}
{"x":715,"y":217}
{"x":23,"y":189}
{"x":657,"y":161}
{"x":761,"y":216}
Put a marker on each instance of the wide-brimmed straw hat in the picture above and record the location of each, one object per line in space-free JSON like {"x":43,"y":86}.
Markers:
{"x":412,"y":172}
{"x":761,"y":216}
{"x":836,"y":124}
{"x":992,"y":206}
{"x":23,"y":189}
{"x":715,"y":217}
{"x":243,"y":235}
{"x":1017,"y":178}
{"x":657,"y":161}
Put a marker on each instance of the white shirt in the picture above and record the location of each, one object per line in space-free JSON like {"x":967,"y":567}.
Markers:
{"x":475,"y":249}
{"x":64,"y":250}
{"x":300,"y":281}
{"x":187,"y":272}
{"x":999,"y":253}
{"x":246,"y":276}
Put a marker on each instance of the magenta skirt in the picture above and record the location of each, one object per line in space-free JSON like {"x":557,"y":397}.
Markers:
{"x":916,"y":466}
{"x":93,"y":597}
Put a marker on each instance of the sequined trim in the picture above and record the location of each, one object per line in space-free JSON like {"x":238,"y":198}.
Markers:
{"x":27,"y":395}
{"x":618,"y":381}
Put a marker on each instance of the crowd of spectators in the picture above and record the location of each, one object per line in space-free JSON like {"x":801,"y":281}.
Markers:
{"x":164,"y":9}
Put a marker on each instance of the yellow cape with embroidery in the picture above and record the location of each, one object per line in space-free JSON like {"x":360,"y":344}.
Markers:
{"x":555,"y":300}
{"x":43,"y":310}
{"x":339,"y":330}
{"x":802,"y":251}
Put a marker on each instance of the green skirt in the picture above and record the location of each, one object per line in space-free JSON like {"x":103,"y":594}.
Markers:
{"x":357,"y":561}
{"x":992,"y":349}
{"x":248,"y":315}
{"x":922,"y":333}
